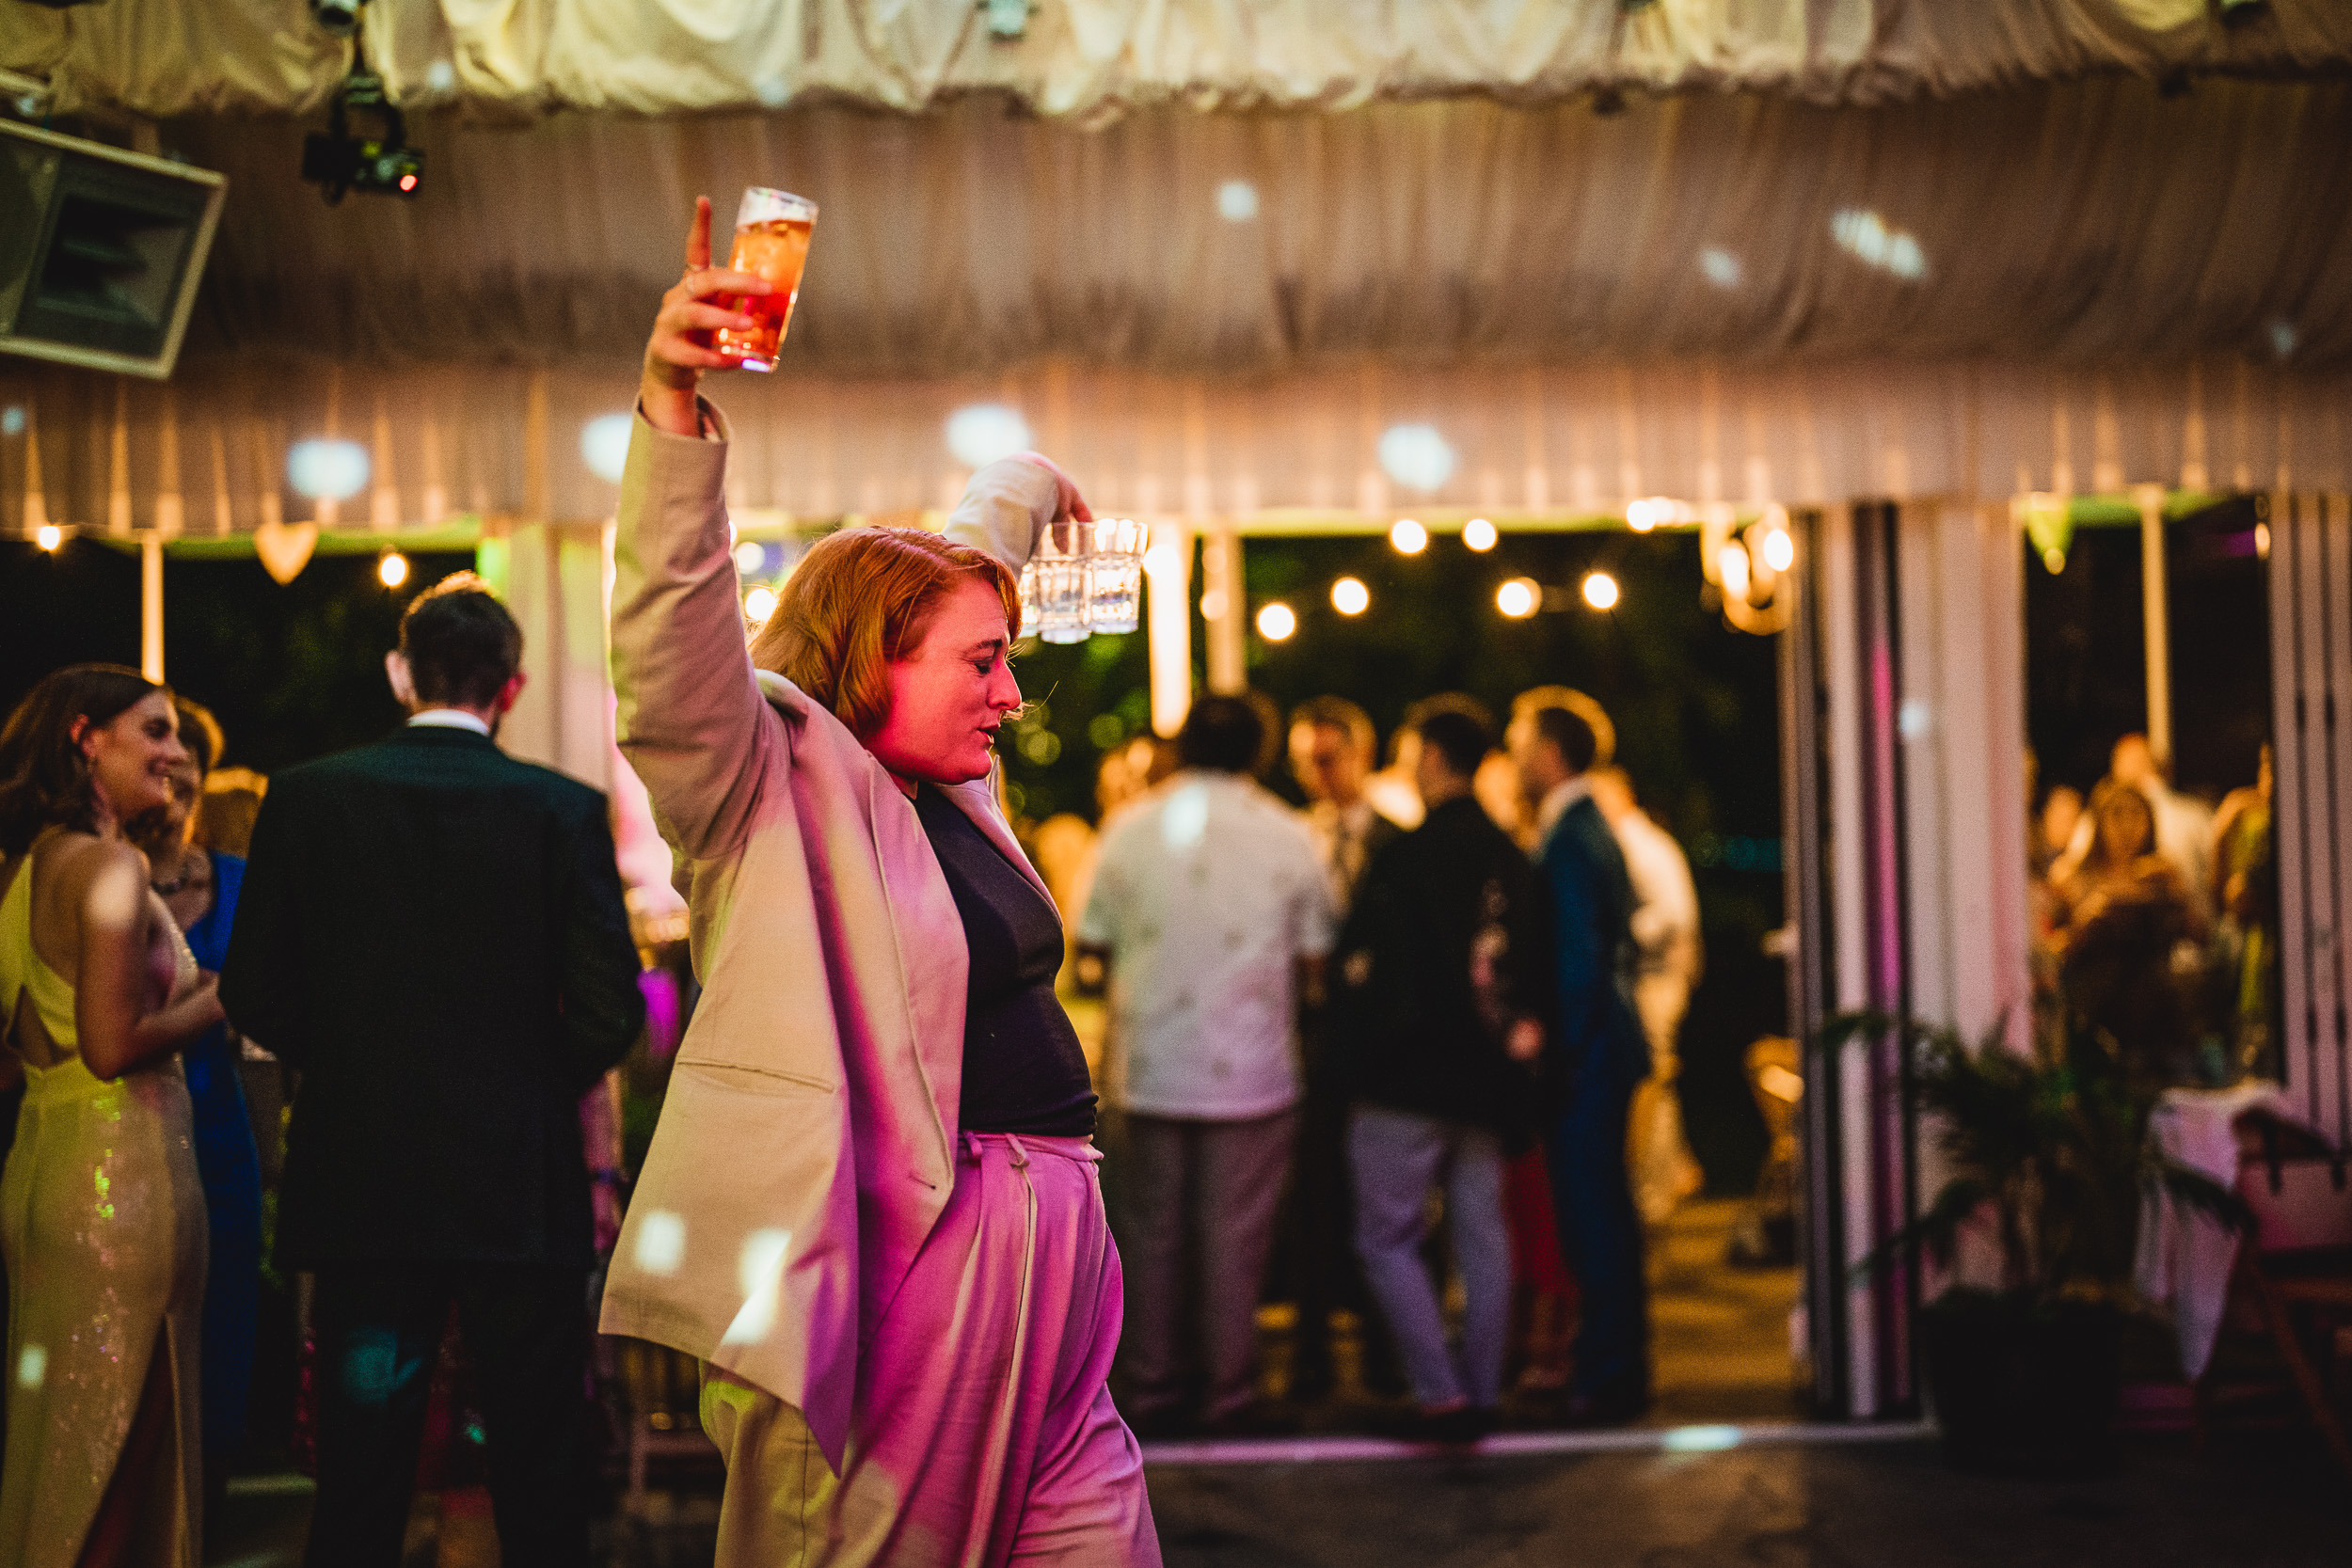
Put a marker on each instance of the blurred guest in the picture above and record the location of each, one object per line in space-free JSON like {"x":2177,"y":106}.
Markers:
{"x":1211,"y":913}
{"x":1435,"y":1005}
{"x":1598,"y":1055}
{"x":434,"y":935}
{"x":2127,"y":918}
{"x":2246,"y":865}
{"x":2184,"y":824}
{"x":98,"y":993}
{"x":1497,"y":788}
{"x":201,"y":887}
{"x":1331,"y":749}
{"x":2062,"y":814}
{"x":1668,"y":958}
{"x":1332,"y":752}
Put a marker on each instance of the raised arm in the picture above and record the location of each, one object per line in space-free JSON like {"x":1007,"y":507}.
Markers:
{"x":691,"y":721}
{"x":1008,"y":505}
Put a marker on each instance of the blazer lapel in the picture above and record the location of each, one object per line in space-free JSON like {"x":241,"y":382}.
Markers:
{"x":933,"y":961}
{"x":978,"y":800}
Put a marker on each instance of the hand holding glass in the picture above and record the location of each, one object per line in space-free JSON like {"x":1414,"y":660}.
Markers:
{"x":771,"y":234}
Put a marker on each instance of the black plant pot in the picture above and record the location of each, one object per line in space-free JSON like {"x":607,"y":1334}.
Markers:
{"x":2023,"y":1388}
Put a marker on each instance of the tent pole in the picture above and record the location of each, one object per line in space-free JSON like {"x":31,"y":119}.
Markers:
{"x":2155,"y":615}
{"x":151,"y":607}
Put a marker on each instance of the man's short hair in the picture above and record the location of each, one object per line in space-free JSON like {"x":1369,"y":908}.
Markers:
{"x":1223,"y":733}
{"x":1596,"y":718}
{"x":1567,"y":730}
{"x":461,"y":645}
{"x":1338,"y":713}
{"x":1458,"y":737}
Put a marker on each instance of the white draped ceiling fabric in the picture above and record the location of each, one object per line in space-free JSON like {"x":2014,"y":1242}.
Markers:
{"x":2071,"y":285}
{"x":1097,"y":58}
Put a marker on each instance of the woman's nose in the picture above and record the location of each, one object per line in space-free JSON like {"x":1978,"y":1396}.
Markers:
{"x":1004,"y":691}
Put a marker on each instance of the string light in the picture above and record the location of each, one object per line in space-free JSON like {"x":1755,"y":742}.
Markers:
{"x":1735,"y":564}
{"x":1780,"y":551}
{"x":1644,"y":515}
{"x":393,"y":569}
{"x":1479,"y":534}
{"x":1600,"y":590}
{"x":1518,"y":599}
{"x":1409,"y":537}
{"x":759,"y":603}
{"x":49,"y":536}
{"x":1276,"y":622}
{"x":1350,"y":596}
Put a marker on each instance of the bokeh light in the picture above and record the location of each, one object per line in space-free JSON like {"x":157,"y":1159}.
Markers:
{"x":1350,"y":596}
{"x":1480,"y":534}
{"x":1518,"y":597}
{"x":393,"y":569}
{"x":1276,"y":622}
{"x":759,"y":603}
{"x":1408,"y":536}
{"x":1600,"y":590}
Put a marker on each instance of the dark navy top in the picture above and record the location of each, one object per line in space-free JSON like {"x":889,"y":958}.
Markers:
{"x":1023,"y":1070}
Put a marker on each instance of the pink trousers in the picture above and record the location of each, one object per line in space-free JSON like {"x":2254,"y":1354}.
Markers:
{"x":983,"y":1432}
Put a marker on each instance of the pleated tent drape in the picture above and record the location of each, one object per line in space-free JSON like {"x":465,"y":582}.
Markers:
{"x":1098,"y":59}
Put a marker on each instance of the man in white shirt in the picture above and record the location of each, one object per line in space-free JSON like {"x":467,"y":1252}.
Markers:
{"x":1667,"y":960}
{"x":1211,"y":909}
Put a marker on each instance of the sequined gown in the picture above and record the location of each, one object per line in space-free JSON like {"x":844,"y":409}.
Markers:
{"x":102,"y":1224}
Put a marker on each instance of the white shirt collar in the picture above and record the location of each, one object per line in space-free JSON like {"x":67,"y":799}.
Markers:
{"x":448,"y":719}
{"x":1557,"y":801}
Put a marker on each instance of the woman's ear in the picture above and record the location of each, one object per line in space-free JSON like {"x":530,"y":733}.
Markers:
{"x":83,"y":735}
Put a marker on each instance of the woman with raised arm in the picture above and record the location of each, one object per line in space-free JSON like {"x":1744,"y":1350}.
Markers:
{"x":870,"y":1209}
{"x":101,"y":1214}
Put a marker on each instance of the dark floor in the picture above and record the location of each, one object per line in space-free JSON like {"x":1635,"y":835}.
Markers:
{"x":1839,"y":1505}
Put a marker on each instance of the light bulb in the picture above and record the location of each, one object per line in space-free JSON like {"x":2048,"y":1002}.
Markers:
{"x":1350,"y":596}
{"x":1518,"y":597}
{"x":1600,"y":590}
{"x":1733,"y":563}
{"x":1408,"y":536}
{"x":49,"y":536}
{"x":1780,"y":551}
{"x":759,"y":603}
{"x":1276,"y":622}
{"x":1479,"y":534}
{"x":393,"y":569}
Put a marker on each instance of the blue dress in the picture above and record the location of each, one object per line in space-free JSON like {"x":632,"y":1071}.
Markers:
{"x":230,"y":1168}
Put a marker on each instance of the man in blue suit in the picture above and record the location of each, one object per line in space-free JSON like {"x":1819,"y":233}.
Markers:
{"x":1598,"y":1054}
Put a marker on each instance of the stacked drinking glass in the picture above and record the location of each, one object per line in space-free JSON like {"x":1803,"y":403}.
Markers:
{"x":1085,"y":578}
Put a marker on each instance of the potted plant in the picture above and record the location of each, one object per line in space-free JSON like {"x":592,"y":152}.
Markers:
{"x":2047,"y":1157}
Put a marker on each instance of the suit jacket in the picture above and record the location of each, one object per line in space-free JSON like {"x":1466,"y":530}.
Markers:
{"x":807,"y":1144}
{"x":1598,"y":1042}
{"x":432,"y":933}
{"x":1443,"y":947}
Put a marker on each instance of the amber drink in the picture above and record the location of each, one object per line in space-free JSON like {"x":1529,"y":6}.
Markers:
{"x":771,"y":231}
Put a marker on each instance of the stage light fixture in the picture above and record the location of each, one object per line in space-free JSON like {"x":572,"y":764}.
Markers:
{"x":380,"y":164}
{"x":1350,"y":596}
{"x":1407,"y":536}
{"x":49,"y":536}
{"x":1479,"y":534}
{"x":1600,"y":590}
{"x":1276,"y":622}
{"x":393,"y":569}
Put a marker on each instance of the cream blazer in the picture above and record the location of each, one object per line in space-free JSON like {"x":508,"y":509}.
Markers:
{"x":807,"y":1144}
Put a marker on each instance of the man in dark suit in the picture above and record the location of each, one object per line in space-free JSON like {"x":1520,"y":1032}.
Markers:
{"x":433,"y":935}
{"x":1600,"y":1055}
{"x":1437,"y":1000}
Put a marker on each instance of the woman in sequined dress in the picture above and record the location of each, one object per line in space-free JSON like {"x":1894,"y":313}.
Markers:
{"x":101,"y":1215}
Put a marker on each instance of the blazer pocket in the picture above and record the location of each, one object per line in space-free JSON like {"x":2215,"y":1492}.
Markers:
{"x":743,"y":1076}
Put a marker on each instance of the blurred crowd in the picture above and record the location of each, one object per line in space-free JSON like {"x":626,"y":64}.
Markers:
{"x":2155,"y":919}
{"x":1401,"y":1062}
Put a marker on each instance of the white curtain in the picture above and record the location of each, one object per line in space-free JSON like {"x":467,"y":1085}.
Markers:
{"x":2074,"y":224}
{"x":1552,"y":446}
{"x":1094,"y":59}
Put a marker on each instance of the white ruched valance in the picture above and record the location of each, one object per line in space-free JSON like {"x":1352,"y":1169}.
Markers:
{"x":207,"y":455}
{"x":1094,"y":59}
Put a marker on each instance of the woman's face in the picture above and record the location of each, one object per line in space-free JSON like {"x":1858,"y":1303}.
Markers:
{"x":132,"y":757}
{"x":949,"y":696}
{"x":2125,"y":825}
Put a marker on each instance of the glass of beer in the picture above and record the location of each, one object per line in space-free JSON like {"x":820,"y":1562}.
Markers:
{"x":772,"y":242}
